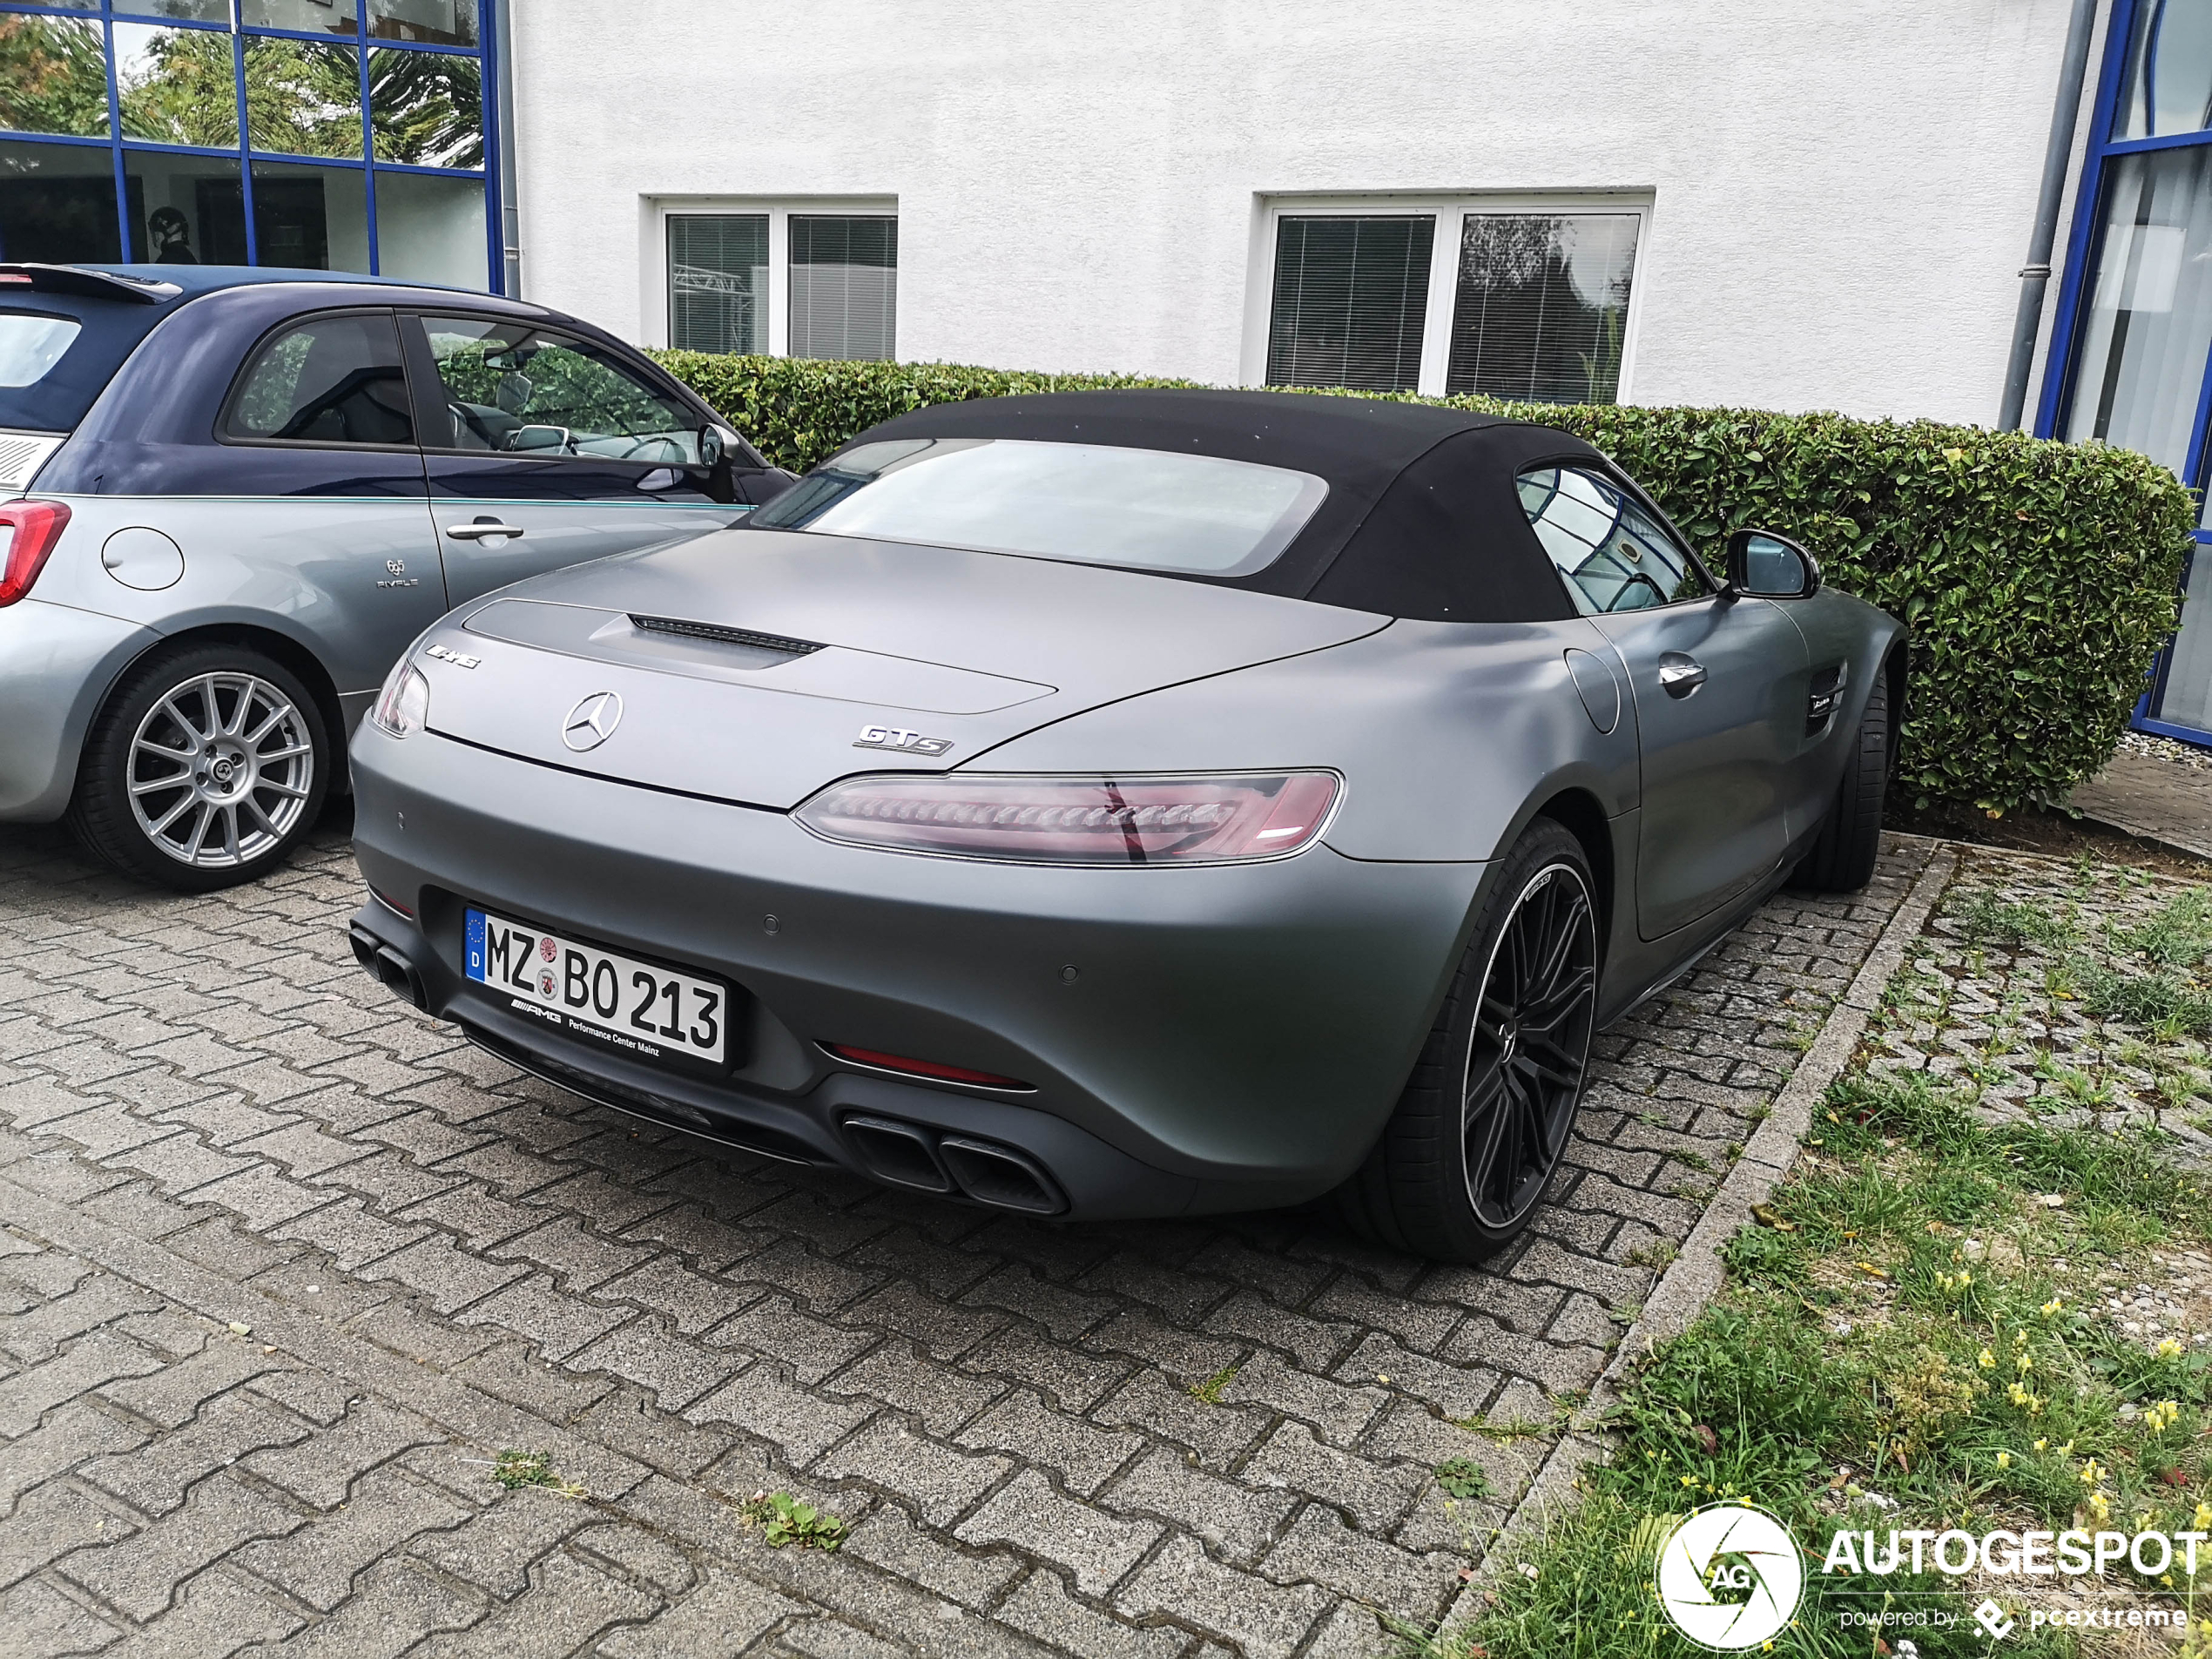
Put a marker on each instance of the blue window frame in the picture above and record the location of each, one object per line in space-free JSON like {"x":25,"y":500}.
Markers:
{"x":337,"y":134}
{"x":2132,"y":354}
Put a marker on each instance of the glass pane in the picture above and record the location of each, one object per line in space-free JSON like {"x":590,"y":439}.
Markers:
{"x":717,"y":282}
{"x":53,"y":76}
{"x":186,"y":210}
{"x":1541,"y":303}
{"x":336,"y":380}
{"x":1613,"y":555}
{"x":426,"y":109}
{"x":306,"y":17}
{"x":518,"y":390}
{"x":2149,"y":323}
{"x":1091,"y":503}
{"x":1351,"y":299}
{"x":190,"y":10}
{"x":434,"y":23}
{"x":58,"y":204}
{"x":303,"y":98}
{"x":431,"y":230}
{"x":2169,"y":87}
{"x":2186,"y":699}
{"x":31,"y":345}
{"x":844,"y":287}
{"x":176,"y":85}
{"x":313,"y":218}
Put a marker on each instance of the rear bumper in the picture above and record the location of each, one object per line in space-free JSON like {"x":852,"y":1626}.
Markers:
{"x":1229,"y":1038}
{"x":55,"y":663}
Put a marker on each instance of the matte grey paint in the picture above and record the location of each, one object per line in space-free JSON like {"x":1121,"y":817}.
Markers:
{"x":1240,"y":1032}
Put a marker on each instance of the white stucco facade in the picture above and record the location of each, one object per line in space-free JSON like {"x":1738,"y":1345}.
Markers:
{"x":1839,"y":198}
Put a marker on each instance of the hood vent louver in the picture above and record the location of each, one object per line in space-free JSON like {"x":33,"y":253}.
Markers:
{"x":724,"y":635}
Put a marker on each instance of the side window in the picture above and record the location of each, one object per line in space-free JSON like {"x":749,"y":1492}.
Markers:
{"x":329,"y":380}
{"x":1612,"y":554}
{"x":517,"y":389}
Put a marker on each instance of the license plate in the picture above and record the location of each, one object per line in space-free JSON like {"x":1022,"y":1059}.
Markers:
{"x":638,"y":1008}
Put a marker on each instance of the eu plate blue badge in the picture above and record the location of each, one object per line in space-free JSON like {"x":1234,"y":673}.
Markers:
{"x":475,"y":970}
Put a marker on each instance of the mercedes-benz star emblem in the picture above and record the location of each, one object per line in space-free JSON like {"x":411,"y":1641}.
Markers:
{"x":591,"y":722}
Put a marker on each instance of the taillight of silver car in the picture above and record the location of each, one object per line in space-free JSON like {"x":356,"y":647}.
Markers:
{"x":30,"y":530}
{"x":1222,"y":819}
{"x":403,"y":705}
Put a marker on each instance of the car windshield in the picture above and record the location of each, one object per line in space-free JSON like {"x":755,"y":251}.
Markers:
{"x":1149,"y":509}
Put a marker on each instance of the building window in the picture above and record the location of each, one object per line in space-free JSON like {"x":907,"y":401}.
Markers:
{"x":282,"y":132}
{"x":1350,"y":296}
{"x":1515,"y":299}
{"x":799,"y":279}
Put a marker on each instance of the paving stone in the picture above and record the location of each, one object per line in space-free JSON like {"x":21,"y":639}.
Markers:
{"x":894,"y":1374}
{"x":1083,"y":1456}
{"x":936,"y":1480}
{"x":1376,"y":1495}
{"x":40,"y":1620}
{"x":567,"y":1604}
{"x":1043,"y":1606}
{"x":495,"y":1548}
{"x":447,"y":1277}
{"x":155,"y":1479}
{"x":1338,"y":1412}
{"x":321,"y":1473}
{"x":1319,"y":1549}
{"x":792,"y":1418}
{"x":90,"y":1361}
{"x":813,"y":1348}
{"x":538,"y":1309}
{"x":140,"y":1574}
{"x":219,"y":1613}
{"x":51,"y":1521}
{"x":319,"y":1562}
{"x":724,"y":1614}
{"x":96,"y":1301}
{"x":640,"y":1554}
{"x":1237,"y":1522}
{"x":1097,"y":1546}
{"x":71,"y":1436}
{"x":1264,"y":1620}
{"x":645,"y":1352}
{"x":1150,"y":1402}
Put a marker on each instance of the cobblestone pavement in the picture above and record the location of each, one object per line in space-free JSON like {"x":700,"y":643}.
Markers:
{"x":2072,"y":994}
{"x":287,"y":1265}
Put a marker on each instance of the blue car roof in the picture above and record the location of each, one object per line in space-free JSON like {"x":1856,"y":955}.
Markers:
{"x":114,"y":308}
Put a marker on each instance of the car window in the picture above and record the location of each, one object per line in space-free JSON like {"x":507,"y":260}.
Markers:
{"x":517,"y":389}
{"x":31,"y":344}
{"x":1095,"y":504}
{"x":1612,"y":554}
{"x":329,"y":380}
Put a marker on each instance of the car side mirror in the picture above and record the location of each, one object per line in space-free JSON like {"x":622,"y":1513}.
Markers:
{"x":715,"y":444}
{"x":1767,"y":566}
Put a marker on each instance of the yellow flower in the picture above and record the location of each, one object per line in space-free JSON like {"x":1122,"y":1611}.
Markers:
{"x":2042,"y":1445}
{"x":2100,"y":1507}
{"x":2020,"y":1338}
{"x":2203,"y":1522}
{"x":2066,"y":1450}
{"x":2004,"y":1459}
{"x":2024,"y":1363}
{"x":1985,"y":1359}
{"x":2092,"y":1472}
{"x":2052,"y":1306}
{"x":2167,"y":1349}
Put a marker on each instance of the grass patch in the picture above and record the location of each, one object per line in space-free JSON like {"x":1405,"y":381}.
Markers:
{"x":1910,"y":1341}
{"x":1209,"y":1392}
{"x":515,"y":1470}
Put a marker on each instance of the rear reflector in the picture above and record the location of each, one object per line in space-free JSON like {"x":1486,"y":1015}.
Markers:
{"x":28,"y":532}
{"x":921,"y":1067}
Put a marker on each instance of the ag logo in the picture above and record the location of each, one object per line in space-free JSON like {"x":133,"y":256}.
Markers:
{"x":1729,"y":1577}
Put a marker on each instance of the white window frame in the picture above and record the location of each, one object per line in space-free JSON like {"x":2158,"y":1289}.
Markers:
{"x":1451,"y":210}
{"x":654,"y":309}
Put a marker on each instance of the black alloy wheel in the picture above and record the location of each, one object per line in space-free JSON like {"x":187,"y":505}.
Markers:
{"x":1479,"y":1133}
{"x":1529,"y":1047}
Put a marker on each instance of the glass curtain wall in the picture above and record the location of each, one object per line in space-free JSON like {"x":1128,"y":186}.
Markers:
{"x":2138,"y":364}
{"x":346,"y":135}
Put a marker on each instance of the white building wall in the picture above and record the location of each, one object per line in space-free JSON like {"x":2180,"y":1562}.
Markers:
{"x":1841,"y":195}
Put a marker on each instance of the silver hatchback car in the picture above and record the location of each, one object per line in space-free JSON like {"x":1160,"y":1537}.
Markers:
{"x":229,"y":498}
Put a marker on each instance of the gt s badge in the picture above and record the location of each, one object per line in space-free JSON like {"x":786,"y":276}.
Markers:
{"x":898,"y":739}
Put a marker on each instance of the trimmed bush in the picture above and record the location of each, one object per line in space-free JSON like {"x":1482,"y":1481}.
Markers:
{"x":2038,"y":579}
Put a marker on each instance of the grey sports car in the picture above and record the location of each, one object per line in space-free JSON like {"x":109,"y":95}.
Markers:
{"x":1126,"y":805}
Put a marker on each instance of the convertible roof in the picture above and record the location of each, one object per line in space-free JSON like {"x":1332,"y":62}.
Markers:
{"x":1421,"y":518}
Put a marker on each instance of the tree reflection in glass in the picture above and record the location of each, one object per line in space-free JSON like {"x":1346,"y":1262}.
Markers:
{"x":426,"y":109}
{"x":303,"y":98}
{"x":53,"y":76}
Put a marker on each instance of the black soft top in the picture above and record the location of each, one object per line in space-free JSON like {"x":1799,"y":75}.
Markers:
{"x":1421,"y":519}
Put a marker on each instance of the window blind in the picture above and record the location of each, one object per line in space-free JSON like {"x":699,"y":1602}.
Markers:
{"x":1541,"y":303}
{"x":844,"y":287}
{"x":1350,"y":294}
{"x":717,"y":282}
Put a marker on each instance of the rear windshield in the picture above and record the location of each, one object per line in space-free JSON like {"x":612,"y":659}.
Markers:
{"x":58,"y":353}
{"x":1148,"y":509}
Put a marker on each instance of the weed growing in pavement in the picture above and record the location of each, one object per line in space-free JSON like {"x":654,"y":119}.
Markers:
{"x":1209,"y":1391}
{"x":1462,"y":1477}
{"x":515,"y":1470}
{"x":1911,"y":1338}
{"x":784,"y":1519}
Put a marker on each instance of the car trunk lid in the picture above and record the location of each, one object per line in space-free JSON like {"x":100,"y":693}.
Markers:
{"x":756,"y":666}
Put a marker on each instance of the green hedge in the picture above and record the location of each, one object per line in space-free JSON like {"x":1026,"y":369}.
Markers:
{"x":2038,"y":579}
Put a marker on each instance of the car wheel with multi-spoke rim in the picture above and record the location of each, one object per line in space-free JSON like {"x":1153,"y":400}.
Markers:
{"x":1483,"y":1124}
{"x":203,"y":769}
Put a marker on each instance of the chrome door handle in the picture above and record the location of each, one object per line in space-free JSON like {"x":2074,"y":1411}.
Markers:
{"x":482,"y":528}
{"x":1679,"y":675}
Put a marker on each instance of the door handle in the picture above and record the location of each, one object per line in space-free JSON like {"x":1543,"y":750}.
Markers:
{"x":1679,"y":675}
{"x":482,"y":528}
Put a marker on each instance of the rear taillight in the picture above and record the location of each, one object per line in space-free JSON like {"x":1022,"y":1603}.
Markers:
{"x":912,"y":1068}
{"x":1221,"y":819}
{"x":28,"y":532}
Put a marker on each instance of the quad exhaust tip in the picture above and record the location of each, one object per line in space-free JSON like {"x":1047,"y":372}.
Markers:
{"x":387,"y":965}
{"x":907,"y":1155}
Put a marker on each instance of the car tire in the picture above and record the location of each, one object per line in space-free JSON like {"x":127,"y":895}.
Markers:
{"x":203,"y":769}
{"x":1480,"y":1129}
{"x":1842,"y":859}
